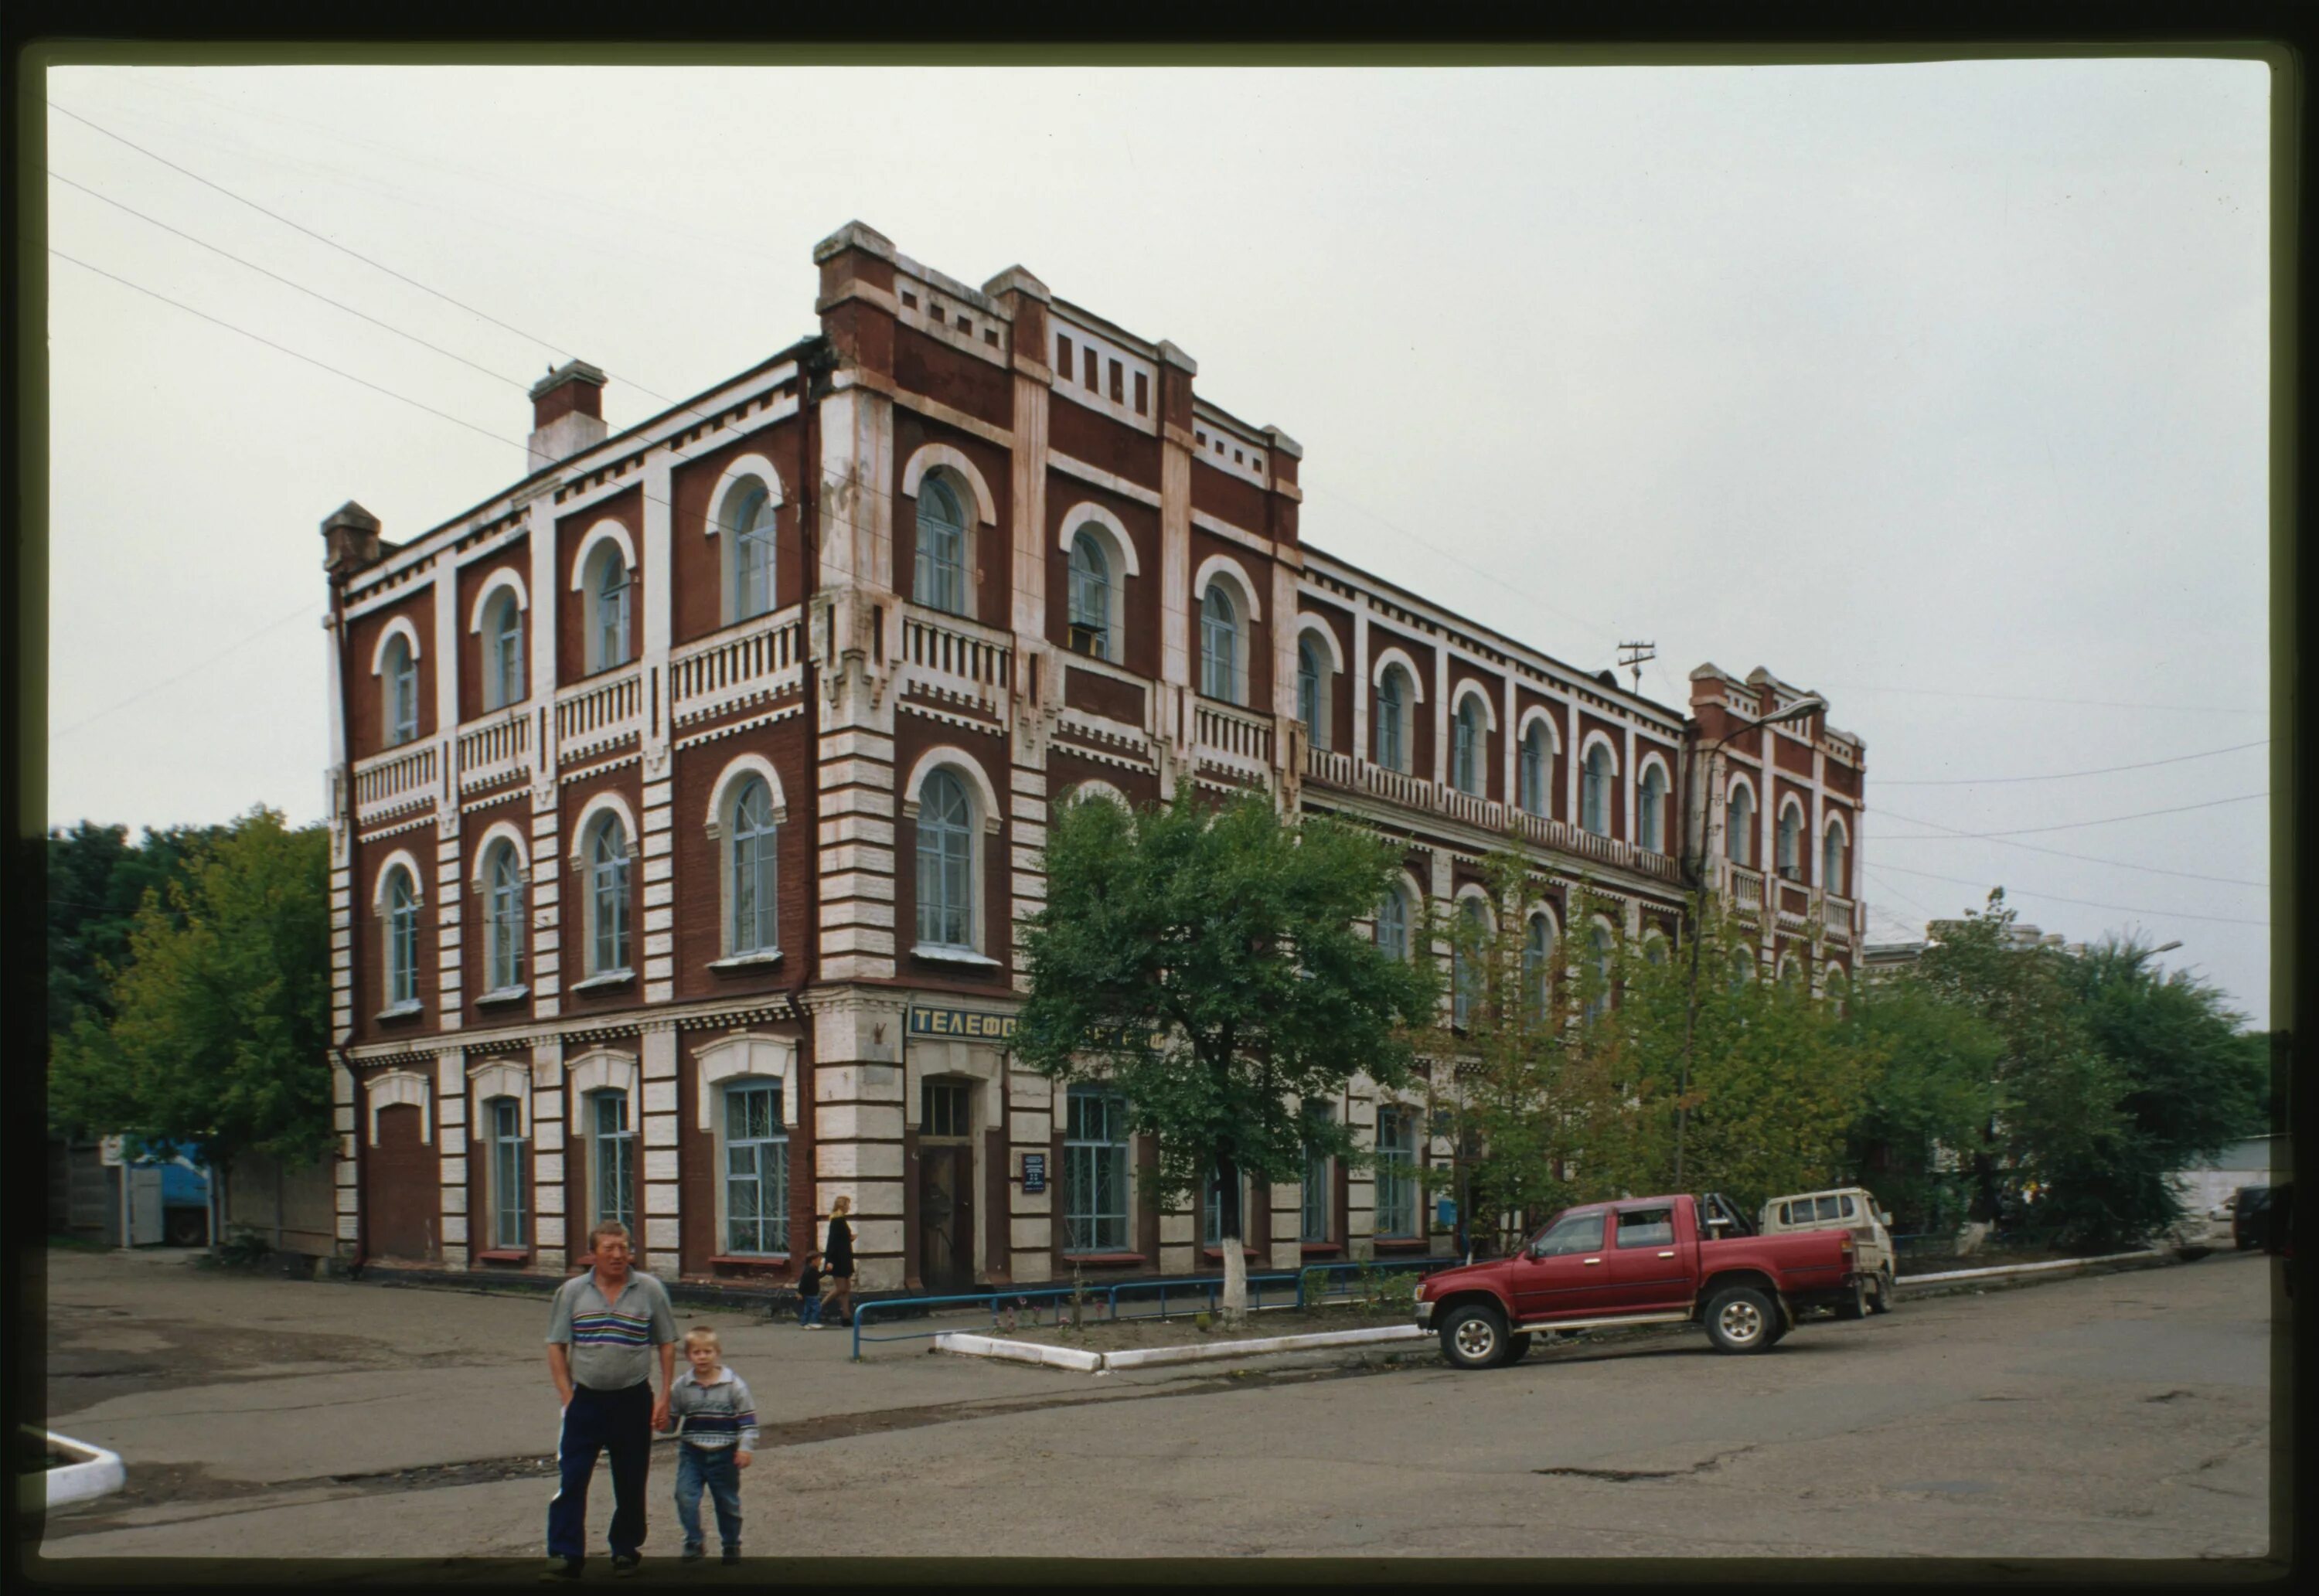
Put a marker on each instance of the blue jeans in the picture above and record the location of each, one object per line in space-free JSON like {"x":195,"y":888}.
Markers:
{"x":809,"y":1309}
{"x":714,"y":1467}
{"x":615,"y":1422}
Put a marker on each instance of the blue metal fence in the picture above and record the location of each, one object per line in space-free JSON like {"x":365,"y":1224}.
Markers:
{"x":1203,"y":1290}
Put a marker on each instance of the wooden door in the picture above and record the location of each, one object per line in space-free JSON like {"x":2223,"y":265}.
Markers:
{"x":945,"y":1218}
{"x":402,"y":1186}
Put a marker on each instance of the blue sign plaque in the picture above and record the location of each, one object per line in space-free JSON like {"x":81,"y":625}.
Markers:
{"x":1035,"y":1172}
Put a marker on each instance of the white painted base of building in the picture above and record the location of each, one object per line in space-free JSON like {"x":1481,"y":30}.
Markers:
{"x":92,"y":1473}
{"x":1071,"y":1358}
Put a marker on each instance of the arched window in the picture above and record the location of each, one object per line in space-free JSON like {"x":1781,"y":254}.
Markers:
{"x":1791,"y":972}
{"x":756,"y":1168}
{"x":611,"y":1159}
{"x":503,"y":652}
{"x":1221,"y":675}
{"x":1739,"y":825}
{"x":1537,"y":770}
{"x":1311,"y":673}
{"x":607,"y":898}
{"x":945,"y":864}
{"x":1651,"y":828}
{"x":940,"y":574}
{"x":1598,"y":950}
{"x":1791,"y":841}
{"x":1393,"y":719}
{"x":504,"y":1169}
{"x":1393,"y":923}
{"x":752,"y":896}
{"x":400,"y":684}
{"x":503,"y":918}
{"x":1466,"y":954}
{"x":1839,"y":988}
{"x":402,"y":941}
{"x":1537,"y":951}
{"x":750,"y":529}
{"x":1469,"y":749}
{"x":609,"y":591}
{"x":1594,"y":791}
{"x":1743,"y":969}
{"x":1832,"y":851}
{"x":1655,"y":949}
{"x":1090,"y":597}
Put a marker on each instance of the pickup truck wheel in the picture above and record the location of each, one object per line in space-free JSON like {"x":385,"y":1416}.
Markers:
{"x":1473,"y":1337}
{"x":1517,"y":1347}
{"x":1882,"y":1302}
{"x":1741,"y":1319}
{"x":1855,"y":1306}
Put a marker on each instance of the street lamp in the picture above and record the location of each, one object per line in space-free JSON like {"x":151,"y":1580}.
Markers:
{"x":1694,"y":872}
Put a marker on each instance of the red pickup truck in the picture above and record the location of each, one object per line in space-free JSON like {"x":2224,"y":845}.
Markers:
{"x":1642,"y":1260}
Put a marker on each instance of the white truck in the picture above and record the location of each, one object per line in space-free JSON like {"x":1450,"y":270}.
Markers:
{"x":1849,"y":1208}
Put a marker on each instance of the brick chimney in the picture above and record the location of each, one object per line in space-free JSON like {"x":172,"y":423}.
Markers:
{"x":567,"y":414}
{"x":350,"y":540}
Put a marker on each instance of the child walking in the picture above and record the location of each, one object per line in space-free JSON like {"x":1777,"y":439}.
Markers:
{"x":808,"y":1285}
{"x":716,"y":1429}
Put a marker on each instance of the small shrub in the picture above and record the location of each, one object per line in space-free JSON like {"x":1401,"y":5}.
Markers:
{"x":1202,"y":1321}
{"x":244,"y":1249}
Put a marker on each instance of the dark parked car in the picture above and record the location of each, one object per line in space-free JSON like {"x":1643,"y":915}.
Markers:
{"x":2249,"y":1217}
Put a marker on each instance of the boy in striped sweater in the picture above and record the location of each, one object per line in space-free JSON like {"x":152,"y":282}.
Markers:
{"x":717,"y":1428}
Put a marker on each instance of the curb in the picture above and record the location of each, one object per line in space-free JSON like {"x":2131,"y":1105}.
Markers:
{"x":94,"y":1472}
{"x":2010,"y":1276}
{"x":1067,"y":1357}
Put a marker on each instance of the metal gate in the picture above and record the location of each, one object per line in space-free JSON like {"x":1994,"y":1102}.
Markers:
{"x":144,"y":1203}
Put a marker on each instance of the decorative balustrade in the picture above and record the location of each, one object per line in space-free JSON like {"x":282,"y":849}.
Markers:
{"x":401,"y":780}
{"x":1243,"y":739}
{"x":1746,"y":888}
{"x":708,"y":677}
{"x":956,"y":656}
{"x":1836,"y":913}
{"x":597,"y":713}
{"x":495,"y":751}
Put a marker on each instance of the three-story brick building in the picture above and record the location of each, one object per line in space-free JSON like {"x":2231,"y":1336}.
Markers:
{"x":686,"y":797}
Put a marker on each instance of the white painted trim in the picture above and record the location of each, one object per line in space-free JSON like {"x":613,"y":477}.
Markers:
{"x":508,"y":577}
{"x":478,"y":880}
{"x":1392,"y":654}
{"x":602,"y":1070}
{"x":930,"y":456}
{"x":741,"y":1057}
{"x":1474,"y":892}
{"x":737,"y":770}
{"x":1313,"y":623}
{"x":408,"y":861}
{"x":1586,"y":748}
{"x":946,"y":755}
{"x":604,"y":531}
{"x":1470,"y":689}
{"x":399,"y":627}
{"x":392,"y":1087}
{"x":1087,"y":511}
{"x":602,"y":803}
{"x":1229,"y":570}
{"x":499,"y":1077}
{"x":1080,"y":791}
{"x":743,"y":467}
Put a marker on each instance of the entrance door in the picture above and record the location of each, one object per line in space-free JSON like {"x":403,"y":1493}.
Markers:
{"x":404,"y":1188}
{"x":945,"y":1187}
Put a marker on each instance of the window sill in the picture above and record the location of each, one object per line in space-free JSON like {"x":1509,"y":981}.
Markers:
{"x":611,"y":977}
{"x":942,"y":955}
{"x":402,"y":1011}
{"x":751,"y":1260}
{"x":1320,"y":1249}
{"x":747,"y":960}
{"x":1401,"y":1243}
{"x":505,"y":1255}
{"x":1217,"y":1252}
{"x":1105,"y":1260}
{"x":503,"y":995}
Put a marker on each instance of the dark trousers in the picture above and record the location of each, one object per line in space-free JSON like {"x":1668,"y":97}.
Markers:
{"x":618,"y":1422}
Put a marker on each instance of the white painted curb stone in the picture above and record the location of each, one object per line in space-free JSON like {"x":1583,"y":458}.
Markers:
{"x":2002,"y":1271}
{"x":94,"y":1471}
{"x":1068,"y":1358}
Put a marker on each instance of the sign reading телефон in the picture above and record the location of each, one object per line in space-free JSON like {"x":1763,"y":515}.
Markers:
{"x":963,"y":1025}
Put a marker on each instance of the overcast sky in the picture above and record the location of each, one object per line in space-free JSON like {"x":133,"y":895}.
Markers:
{"x":1941,"y":389}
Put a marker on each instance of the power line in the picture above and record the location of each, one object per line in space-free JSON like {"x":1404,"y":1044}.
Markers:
{"x":302,"y":610}
{"x":1943,"y":693}
{"x":2112,"y":820}
{"x":1954,"y":835}
{"x":278,"y":277}
{"x":2070,"y":775}
{"x":2123,"y":908}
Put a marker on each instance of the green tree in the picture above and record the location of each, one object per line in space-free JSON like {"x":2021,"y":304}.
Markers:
{"x":1204,"y":960}
{"x":219,"y":1011}
{"x":1930,"y":1099}
{"x":97,"y":879}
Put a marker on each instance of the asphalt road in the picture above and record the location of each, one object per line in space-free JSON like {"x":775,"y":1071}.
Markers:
{"x":2126,"y":1416}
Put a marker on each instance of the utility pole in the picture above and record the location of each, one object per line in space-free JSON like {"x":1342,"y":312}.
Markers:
{"x":1633,"y":656}
{"x":1694,"y":876}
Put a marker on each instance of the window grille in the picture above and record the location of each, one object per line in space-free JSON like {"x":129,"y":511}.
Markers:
{"x":756,"y":1169}
{"x":1095,"y":1172}
{"x":613,"y":1148}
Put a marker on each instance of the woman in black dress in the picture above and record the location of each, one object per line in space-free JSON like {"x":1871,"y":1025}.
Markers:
{"x":837,"y":1260}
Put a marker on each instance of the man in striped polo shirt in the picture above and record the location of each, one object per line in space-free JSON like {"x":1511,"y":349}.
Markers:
{"x":601,"y":1334}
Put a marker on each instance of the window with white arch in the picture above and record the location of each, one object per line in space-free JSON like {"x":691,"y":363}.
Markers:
{"x":1313,"y":675}
{"x":1791,"y":839}
{"x":747,"y":558}
{"x":1838,"y":986}
{"x":1093,"y":622}
{"x":401,"y":904}
{"x":1594,"y":790}
{"x":751,"y":835}
{"x":1535,"y":770}
{"x":503,"y":634}
{"x":608,"y":590}
{"x":1650,"y":804}
{"x":1393,"y":918}
{"x":1598,"y":945}
{"x":1468,"y":953}
{"x":946,"y":825}
{"x":1537,"y":961}
{"x":399,"y":682}
{"x":1739,"y":825}
{"x":944,"y":547}
{"x":1834,"y":850}
{"x":1223,"y":663}
{"x":1470,"y":749}
{"x":503,"y":919}
{"x":1393,"y":739}
{"x":604,"y":852}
